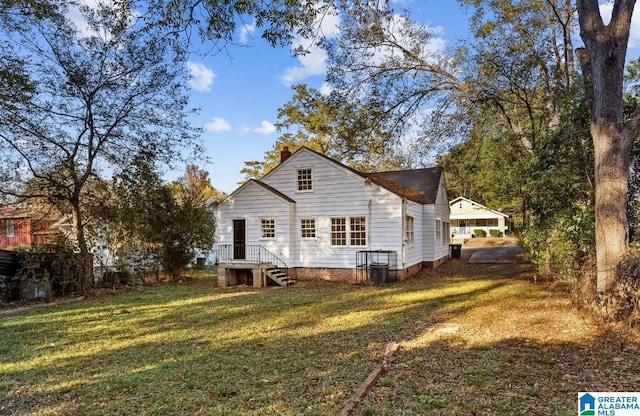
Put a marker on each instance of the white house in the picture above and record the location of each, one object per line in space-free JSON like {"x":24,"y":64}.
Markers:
{"x":468,"y":216}
{"x":313,"y":217}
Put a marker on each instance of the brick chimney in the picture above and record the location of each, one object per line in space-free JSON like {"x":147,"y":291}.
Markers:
{"x":284,"y":154}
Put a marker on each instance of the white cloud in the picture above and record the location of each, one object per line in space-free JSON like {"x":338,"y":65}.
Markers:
{"x":314,"y":61}
{"x":325,"y":89}
{"x":201,"y":77}
{"x":265,"y":128}
{"x":76,"y":17}
{"x":246,"y":31}
{"x":217,"y":125}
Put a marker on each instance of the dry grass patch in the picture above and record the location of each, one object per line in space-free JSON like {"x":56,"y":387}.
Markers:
{"x":510,"y":347}
{"x":476,"y":339}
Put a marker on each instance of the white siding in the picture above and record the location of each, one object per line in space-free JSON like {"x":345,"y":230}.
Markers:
{"x":252,"y":203}
{"x":437,"y":248}
{"x":337,"y":192}
{"x":442,"y":211}
{"x":413,"y":253}
{"x":470,"y":212}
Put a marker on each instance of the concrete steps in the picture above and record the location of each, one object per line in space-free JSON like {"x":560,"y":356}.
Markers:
{"x":278,"y":276}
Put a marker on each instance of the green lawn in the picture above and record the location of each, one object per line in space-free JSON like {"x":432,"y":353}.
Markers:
{"x":486,"y":343}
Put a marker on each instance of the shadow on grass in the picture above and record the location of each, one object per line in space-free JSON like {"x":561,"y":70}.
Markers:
{"x":303,"y":350}
{"x":511,"y":377}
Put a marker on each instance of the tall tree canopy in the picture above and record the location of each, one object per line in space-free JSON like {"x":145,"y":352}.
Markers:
{"x":93,"y":101}
{"x":343,"y":130}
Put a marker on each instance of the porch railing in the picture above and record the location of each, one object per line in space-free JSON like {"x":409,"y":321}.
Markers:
{"x":249,"y":253}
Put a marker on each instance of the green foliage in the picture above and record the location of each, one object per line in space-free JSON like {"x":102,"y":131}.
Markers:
{"x":480,"y":233}
{"x":162,"y":223}
{"x":341,"y":129}
{"x":58,"y":263}
{"x":495,"y":233}
{"x":45,"y":270}
{"x":488,"y":168}
{"x":631,"y":99}
{"x":431,"y":401}
{"x":88,"y":100}
{"x":560,"y":234}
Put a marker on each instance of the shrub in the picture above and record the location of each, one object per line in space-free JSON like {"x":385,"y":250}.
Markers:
{"x":44,"y":271}
{"x":495,"y":233}
{"x":620,"y":303}
{"x":479,"y":233}
{"x":53,"y":268}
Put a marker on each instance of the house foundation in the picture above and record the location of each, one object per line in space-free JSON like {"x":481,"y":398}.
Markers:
{"x":241,"y":273}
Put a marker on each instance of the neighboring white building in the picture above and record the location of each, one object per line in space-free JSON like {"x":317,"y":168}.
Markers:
{"x":468,"y":216}
{"x":320,"y":219}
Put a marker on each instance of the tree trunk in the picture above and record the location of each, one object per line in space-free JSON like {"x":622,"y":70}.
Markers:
{"x":86,"y":279}
{"x":611,"y":185}
{"x":603,"y":69}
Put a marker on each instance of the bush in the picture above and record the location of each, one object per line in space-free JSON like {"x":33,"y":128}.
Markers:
{"x":53,"y":268}
{"x":479,"y":233}
{"x":495,"y":233}
{"x":620,"y":303}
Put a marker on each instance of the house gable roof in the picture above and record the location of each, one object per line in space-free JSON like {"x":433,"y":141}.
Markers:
{"x":36,"y":212}
{"x":417,"y":185}
{"x":478,"y":205}
{"x":261,"y":185}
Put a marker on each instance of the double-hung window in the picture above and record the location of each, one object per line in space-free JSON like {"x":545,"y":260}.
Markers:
{"x":305,"y":179}
{"x":308,"y":228}
{"x":338,"y":231}
{"x":409,"y":234}
{"x":349,"y":231}
{"x":268,"y":228}
{"x":358,"y":231}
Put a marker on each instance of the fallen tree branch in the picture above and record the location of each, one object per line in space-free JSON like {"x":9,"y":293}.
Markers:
{"x":353,"y":401}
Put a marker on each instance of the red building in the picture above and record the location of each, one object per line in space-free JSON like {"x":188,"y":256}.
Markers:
{"x":24,"y":226}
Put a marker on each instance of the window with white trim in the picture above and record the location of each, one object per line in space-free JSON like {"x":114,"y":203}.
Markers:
{"x":445,"y":233}
{"x":358,"y":231}
{"x":11,"y":228}
{"x":305,"y":179}
{"x":308,"y":228}
{"x":338,"y":231}
{"x":439,"y":230}
{"x":349,"y":231}
{"x":268,"y":228}
{"x":409,"y":236}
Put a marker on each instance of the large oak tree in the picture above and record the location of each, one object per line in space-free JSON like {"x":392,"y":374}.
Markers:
{"x":93,"y":101}
{"x":603,"y":62}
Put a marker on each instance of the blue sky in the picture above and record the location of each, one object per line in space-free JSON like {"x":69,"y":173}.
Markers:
{"x":240,"y":89}
{"x":239,"y":93}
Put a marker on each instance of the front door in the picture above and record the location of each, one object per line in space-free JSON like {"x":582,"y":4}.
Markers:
{"x":463,"y":226}
{"x":239,"y":241}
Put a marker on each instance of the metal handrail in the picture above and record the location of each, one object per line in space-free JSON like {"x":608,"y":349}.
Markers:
{"x":252,"y":253}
